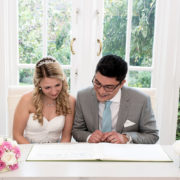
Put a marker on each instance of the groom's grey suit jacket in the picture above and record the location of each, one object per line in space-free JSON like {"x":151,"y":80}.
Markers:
{"x":135,"y":110}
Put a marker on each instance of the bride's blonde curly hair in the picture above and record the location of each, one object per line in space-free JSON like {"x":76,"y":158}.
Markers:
{"x":49,"y":67}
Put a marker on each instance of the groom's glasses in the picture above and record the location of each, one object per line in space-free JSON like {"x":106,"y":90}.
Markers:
{"x":107,"y":88}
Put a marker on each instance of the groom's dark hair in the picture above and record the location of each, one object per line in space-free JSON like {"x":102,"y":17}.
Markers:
{"x":112,"y":66}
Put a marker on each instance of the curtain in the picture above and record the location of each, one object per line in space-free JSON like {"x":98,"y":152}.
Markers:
{"x":3,"y":66}
{"x":166,"y":68}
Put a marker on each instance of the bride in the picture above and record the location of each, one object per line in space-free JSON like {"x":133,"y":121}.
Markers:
{"x":46,"y":114}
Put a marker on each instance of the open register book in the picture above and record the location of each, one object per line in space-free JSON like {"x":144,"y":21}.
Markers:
{"x":101,"y":151}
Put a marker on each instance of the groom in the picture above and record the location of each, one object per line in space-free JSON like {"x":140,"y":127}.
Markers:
{"x":110,"y":112}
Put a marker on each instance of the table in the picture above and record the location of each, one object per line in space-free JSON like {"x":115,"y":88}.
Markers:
{"x":94,"y":170}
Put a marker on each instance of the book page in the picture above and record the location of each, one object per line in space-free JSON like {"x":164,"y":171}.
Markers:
{"x":63,"y":151}
{"x":134,"y":152}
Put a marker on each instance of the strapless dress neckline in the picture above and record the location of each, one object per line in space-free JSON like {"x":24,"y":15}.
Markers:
{"x":49,"y":132}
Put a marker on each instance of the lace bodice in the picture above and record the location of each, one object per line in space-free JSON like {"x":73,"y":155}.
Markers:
{"x":49,"y":132}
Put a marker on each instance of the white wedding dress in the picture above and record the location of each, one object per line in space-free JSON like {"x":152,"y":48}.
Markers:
{"x":49,"y":132}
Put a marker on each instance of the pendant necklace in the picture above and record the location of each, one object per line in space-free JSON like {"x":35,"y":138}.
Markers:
{"x":51,"y":104}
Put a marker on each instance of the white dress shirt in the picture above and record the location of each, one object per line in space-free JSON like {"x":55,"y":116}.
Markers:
{"x":114,"y":110}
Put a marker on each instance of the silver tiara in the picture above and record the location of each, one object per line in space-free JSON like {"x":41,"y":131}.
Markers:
{"x":46,"y":60}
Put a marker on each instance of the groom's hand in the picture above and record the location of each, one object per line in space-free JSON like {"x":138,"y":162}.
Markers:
{"x":95,"y":137}
{"x":114,"y":137}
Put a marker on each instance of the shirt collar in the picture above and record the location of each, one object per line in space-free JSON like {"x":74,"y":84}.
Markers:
{"x":117,"y":97}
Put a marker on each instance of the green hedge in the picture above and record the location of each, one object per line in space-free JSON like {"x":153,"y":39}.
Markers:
{"x":178,"y":122}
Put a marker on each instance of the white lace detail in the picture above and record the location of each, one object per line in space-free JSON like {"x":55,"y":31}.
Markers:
{"x":49,"y":132}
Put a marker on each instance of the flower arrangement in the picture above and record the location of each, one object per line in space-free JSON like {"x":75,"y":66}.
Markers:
{"x":9,"y":154}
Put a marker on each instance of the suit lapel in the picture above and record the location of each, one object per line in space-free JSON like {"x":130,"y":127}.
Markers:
{"x":95,"y":110}
{"x":123,"y":111}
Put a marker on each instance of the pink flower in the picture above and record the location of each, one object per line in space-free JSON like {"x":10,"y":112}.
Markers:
{"x":17,"y":152}
{"x":1,"y":151}
{"x":6,"y":145}
{"x":2,"y":165}
{"x":14,"y":166}
{"x":9,"y":154}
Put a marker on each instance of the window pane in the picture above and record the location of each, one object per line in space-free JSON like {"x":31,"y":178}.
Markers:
{"x":59,"y":26}
{"x":178,"y":121}
{"x":140,"y":79}
{"x":115,"y":19}
{"x":142,"y":32}
{"x":26,"y":76}
{"x":30,"y":38}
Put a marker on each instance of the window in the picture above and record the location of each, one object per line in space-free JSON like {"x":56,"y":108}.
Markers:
{"x":128,"y":27}
{"x":128,"y":32}
{"x":44,"y":30}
